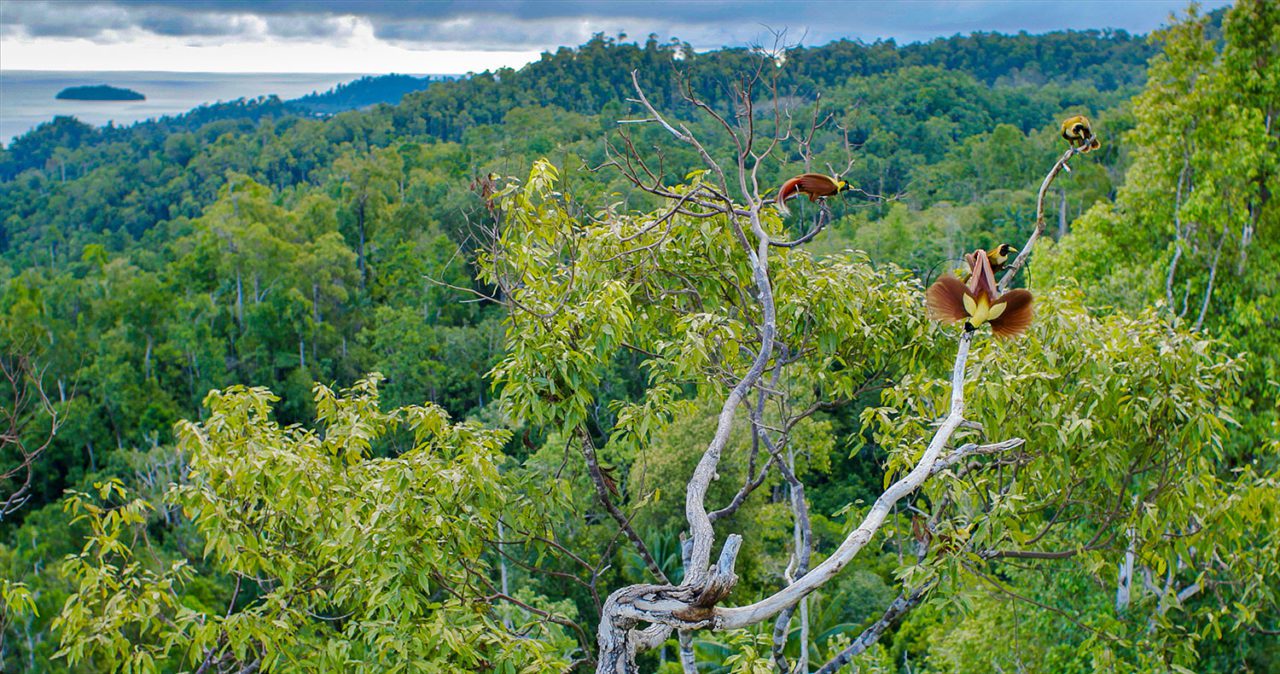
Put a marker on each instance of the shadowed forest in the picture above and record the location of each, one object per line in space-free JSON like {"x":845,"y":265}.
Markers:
{"x":417,"y":387}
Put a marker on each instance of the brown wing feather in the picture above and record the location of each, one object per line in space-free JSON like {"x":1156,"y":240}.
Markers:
{"x":817,"y":185}
{"x":945,"y":299}
{"x":1017,"y":314}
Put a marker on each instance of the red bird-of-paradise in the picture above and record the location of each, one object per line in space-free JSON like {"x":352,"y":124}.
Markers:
{"x":950,"y":300}
{"x":816,"y":185}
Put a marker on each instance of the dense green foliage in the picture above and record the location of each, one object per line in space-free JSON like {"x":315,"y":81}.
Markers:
{"x":374,"y":583}
{"x":441,"y":519}
{"x":235,"y":218}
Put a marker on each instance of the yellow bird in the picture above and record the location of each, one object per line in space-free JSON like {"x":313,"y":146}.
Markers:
{"x":997,"y":256}
{"x":1078,"y":133}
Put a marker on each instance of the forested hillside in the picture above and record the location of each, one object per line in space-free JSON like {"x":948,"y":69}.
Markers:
{"x":362,"y":93}
{"x":542,"y":396}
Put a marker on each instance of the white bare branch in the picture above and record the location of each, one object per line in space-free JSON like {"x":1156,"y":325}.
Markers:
{"x":734,"y":618}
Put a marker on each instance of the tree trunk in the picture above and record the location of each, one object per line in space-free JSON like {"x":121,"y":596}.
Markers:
{"x":1124,"y":580}
{"x":502,"y":571}
{"x":146,"y":360}
{"x":315,"y":316}
{"x":1062,"y":214}
{"x":360,"y":244}
{"x":1213,"y":274}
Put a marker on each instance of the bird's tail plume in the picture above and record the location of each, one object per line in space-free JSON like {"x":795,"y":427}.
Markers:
{"x":788,"y":190}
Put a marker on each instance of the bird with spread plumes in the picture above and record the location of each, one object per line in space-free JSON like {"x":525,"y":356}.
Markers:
{"x":1077,"y":132}
{"x":951,"y":300}
{"x":816,"y":185}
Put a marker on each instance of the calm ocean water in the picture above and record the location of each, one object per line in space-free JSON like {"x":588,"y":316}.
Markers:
{"x":27,"y":96}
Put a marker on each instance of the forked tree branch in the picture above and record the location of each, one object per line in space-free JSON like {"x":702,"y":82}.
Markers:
{"x":602,"y":494}
{"x":743,"y":616}
{"x":28,"y":401}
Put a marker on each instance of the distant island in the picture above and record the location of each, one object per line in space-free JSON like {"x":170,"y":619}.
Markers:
{"x":100,"y":92}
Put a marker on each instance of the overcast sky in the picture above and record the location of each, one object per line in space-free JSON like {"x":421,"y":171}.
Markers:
{"x":407,"y":36}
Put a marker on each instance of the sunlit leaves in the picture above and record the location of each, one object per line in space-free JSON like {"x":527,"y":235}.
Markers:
{"x":361,"y":562}
{"x":125,"y":614}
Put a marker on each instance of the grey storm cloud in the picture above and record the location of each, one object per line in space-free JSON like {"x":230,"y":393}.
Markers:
{"x":42,"y":20}
{"x":305,"y":26}
{"x":181,"y":24}
{"x":542,"y":24}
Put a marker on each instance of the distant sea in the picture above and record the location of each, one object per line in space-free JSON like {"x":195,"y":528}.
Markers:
{"x":27,"y":96}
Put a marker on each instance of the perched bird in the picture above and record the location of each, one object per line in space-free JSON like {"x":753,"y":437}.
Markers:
{"x":951,"y":300}
{"x":997,"y":256}
{"x":816,"y":185}
{"x":1000,"y":256}
{"x":1077,"y":132}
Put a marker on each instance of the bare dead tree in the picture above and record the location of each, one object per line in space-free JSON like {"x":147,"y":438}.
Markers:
{"x":27,"y":405}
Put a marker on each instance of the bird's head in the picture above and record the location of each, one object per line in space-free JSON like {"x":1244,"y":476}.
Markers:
{"x":843,"y":186}
{"x":1005,"y":249}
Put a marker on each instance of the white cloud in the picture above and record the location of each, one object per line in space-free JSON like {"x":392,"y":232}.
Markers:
{"x":358,"y":51}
